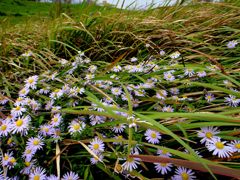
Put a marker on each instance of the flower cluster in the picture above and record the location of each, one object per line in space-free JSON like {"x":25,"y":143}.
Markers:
{"x":119,"y":112}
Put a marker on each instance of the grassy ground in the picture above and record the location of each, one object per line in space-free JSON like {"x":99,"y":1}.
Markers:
{"x":109,"y":37}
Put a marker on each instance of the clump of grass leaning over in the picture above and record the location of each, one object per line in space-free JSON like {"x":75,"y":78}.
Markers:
{"x":206,"y":47}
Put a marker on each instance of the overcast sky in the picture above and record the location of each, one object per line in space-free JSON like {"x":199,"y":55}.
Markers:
{"x":138,"y":3}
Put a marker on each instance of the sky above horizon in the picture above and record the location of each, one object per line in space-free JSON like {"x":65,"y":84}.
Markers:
{"x":137,"y":3}
{"x":142,"y":4}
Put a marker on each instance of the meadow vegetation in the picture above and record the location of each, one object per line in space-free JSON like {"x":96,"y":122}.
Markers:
{"x":100,"y":92}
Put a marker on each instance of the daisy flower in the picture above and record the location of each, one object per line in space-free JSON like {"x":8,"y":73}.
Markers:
{"x":95,"y":160}
{"x":21,"y":125}
{"x":96,"y":145}
{"x":232,"y":101}
{"x":167,"y":109}
{"x":119,"y":138}
{"x":55,"y":109}
{"x":133,"y":122}
{"x":65,"y":89}
{"x":57,"y":93}
{"x":44,"y":90}
{"x":18,"y":111}
{"x":52,"y":177}
{"x":5,"y":128}
{"x":182,"y":173}
{"x":31,"y":82}
{"x":163,"y":153}
{"x":92,"y":68}
{"x":209,"y":97}
{"x":162,"y":52}
{"x":161,"y":94}
{"x":27,"y":54}
{"x":97,"y":119}
{"x":168,"y":76}
{"x":198,"y":153}
{"x":149,"y":84}
{"x":207,"y":133}
{"x":175,"y":55}
{"x":70,"y":176}
{"x":130,"y":164}
{"x":117,"y":68}
{"x":219,"y":148}
{"x":73,"y":92}
{"x":140,"y":93}
{"x":56,"y":134}
{"x":116,"y":91}
{"x":134,"y":59}
{"x":20,"y":101}
{"x":189,"y":72}
{"x":163,"y":168}
{"x":29,"y":153}
{"x":119,"y":128}
{"x":56,"y":120}
{"x":201,"y":74}
{"x":49,"y":105}
{"x":89,"y":76}
{"x":235,"y":145}
{"x":232,"y":44}
{"x":29,"y":165}
{"x":35,"y":105}
{"x":23,"y":92}
{"x":3,"y":99}
{"x":76,"y":127}
{"x":174,"y":91}
{"x":45,"y":130}
{"x":6,"y":157}
{"x":38,"y":173}
{"x":35,"y":143}
{"x":152,"y":136}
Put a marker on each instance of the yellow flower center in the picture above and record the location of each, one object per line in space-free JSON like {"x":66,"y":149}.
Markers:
{"x":6,"y":157}
{"x":130,"y":160}
{"x":118,"y":168}
{"x":96,"y":146}
{"x":164,"y":152}
{"x":76,"y":127}
{"x":185,"y":176}
{"x":163,"y":164}
{"x":209,"y":97}
{"x":46,"y":129}
{"x":219,"y":145}
{"x":120,"y":137}
{"x":209,"y":135}
{"x":237,"y":146}
{"x":154,"y":135}
{"x":13,"y":160}
{"x":56,"y":90}
{"x":19,"y":123}
{"x":19,"y":99}
{"x":30,"y":81}
{"x":55,"y":119}
{"x":17,"y":108}
{"x":36,"y":177}
{"x":3,"y":127}
{"x":36,"y":142}
{"x":9,"y":141}
{"x":27,"y":164}
{"x":28,"y":151}
{"x":23,"y":91}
